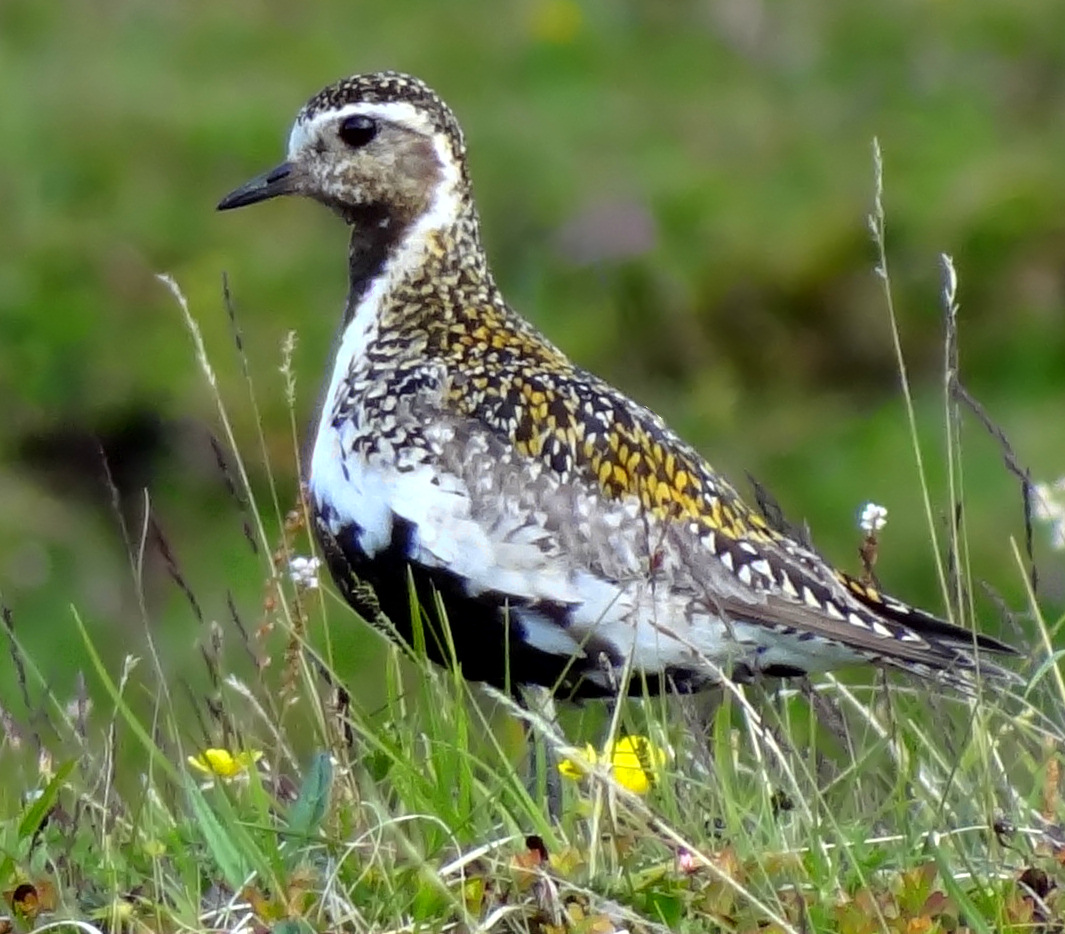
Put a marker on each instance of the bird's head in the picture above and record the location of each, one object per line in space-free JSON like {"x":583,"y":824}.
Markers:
{"x":381,"y":146}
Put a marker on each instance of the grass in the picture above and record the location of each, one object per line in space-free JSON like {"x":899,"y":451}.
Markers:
{"x":850,"y":806}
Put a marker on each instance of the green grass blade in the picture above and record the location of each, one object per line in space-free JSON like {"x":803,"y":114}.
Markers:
{"x":308,"y":811}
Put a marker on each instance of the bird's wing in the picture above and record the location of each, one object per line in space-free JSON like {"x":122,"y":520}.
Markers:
{"x":693,"y":528}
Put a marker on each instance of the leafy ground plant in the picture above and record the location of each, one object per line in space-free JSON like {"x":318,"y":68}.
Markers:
{"x":280,"y":797}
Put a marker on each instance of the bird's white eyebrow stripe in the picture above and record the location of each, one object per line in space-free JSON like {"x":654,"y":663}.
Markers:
{"x":306,"y":129}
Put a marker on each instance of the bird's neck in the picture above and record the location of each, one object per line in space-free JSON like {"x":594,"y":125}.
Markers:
{"x":375,"y":237}
{"x":418,"y":272}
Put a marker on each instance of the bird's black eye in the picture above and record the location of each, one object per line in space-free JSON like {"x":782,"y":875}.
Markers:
{"x":358,"y":130}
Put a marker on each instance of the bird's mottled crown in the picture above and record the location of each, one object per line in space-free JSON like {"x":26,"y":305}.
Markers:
{"x":387,"y":87}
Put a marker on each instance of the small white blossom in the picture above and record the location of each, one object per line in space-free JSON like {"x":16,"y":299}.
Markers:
{"x":872,"y":518}
{"x":1049,"y":507}
{"x":303,"y":572}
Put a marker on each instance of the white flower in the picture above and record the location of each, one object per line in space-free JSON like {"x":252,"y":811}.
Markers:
{"x":1049,"y":507}
{"x":872,"y":518}
{"x":303,"y":572}
{"x":1057,"y":536}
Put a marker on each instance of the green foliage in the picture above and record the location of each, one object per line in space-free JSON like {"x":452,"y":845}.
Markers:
{"x":308,"y":811}
{"x":752,"y":321}
{"x":18,"y":845}
{"x":739,"y":138}
{"x":217,"y":833}
{"x":751,"y":823}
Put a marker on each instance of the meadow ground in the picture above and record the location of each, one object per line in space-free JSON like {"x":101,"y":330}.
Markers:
{"x":733,"y":150}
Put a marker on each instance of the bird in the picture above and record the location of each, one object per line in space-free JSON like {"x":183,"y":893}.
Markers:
{"x":493,"y":504}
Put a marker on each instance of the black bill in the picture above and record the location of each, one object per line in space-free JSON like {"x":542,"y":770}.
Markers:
{"x":278,"y":181}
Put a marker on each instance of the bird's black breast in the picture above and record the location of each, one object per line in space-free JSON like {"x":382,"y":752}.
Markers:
{"x":482,"y":634}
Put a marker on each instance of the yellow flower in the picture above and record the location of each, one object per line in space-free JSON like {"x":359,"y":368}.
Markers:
{"x":223,"y":764}
{"x":572,"y":770}
{"x":634,"y":762}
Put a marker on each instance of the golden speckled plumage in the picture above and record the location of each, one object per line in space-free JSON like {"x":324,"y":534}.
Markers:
{"x":569,"y":531}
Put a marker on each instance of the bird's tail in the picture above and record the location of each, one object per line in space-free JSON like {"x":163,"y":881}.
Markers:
{"x":958,"y":655}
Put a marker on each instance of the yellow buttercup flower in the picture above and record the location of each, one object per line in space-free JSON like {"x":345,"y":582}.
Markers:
{"x":571,"y":770}
{"x":634,"y":761}
{"x":221,"y":763}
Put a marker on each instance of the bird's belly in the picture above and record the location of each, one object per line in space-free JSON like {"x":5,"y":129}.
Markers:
{"x":348,"y":496}
{"x":519,"y":607}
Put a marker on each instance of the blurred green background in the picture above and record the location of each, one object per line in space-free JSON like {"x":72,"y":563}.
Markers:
{"x":675,"y":192}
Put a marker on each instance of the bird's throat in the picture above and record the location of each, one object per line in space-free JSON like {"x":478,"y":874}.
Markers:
{"x":376,"y":236}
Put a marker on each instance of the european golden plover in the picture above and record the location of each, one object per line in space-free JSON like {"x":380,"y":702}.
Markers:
{"x":567,"y":531}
